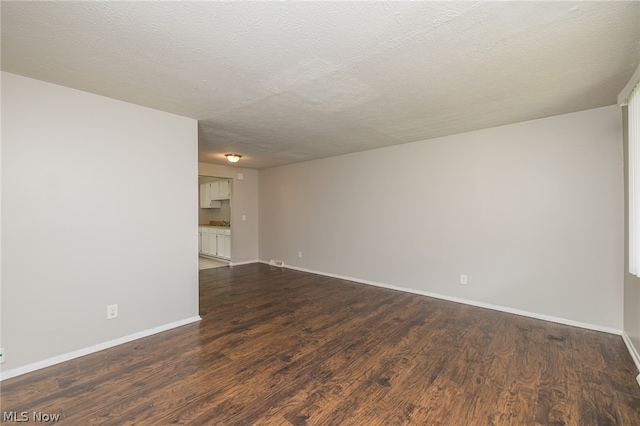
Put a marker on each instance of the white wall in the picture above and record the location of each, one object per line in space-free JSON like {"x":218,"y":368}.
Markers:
{"x":532,"y":212}
{"x":222,"y":213}
{"x":244,"y":202}
{"x":80,"y":173}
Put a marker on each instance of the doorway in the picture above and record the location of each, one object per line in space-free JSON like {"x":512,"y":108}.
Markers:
{"x":214,"y":222}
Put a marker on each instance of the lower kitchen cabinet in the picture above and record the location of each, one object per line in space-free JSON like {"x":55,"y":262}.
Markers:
{"x":227,"y":244}
{"x":219,"y":243}
{"x":215,"y":242}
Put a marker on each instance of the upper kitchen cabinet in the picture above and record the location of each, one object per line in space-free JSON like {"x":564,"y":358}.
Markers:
{"x":212,"y":192}
{"x":220,"y":189}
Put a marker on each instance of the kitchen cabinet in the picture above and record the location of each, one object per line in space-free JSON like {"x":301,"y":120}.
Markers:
{"x":227,"y":244}
{"x":221,"y":190}
{"x":212,"y":192}
{"x":220,"y":242}
{"x":205,"y":196}
{"x":215,"y":242}
{"x":205,"y":242}
{"x":206,"y":200}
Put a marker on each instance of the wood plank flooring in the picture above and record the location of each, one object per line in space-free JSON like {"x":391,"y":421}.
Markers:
{"x":281,"y":347}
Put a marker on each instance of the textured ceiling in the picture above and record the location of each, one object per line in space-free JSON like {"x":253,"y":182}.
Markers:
{"x":283,"y":82}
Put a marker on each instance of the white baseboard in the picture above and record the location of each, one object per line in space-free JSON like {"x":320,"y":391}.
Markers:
{"x":95,"y":348}
{"x":632,"y":350}
{"x":558,"y":320}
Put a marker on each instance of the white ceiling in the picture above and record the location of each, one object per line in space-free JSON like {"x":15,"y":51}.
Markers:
{"x":286,"y":82}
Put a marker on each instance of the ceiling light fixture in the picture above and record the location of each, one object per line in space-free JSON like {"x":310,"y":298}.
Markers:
{"x":233,"y":158}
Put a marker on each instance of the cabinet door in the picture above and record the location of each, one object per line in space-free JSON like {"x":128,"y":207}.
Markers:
{"x":224,"y":189}
{"x":199,"y":240}
{"x":214,"y":191}
{"x":219,"y":242}
{"x":227,"y":246}
{"x":204,"y":241}
{"x":204,"y":200}
{"x":209,"y":193}
{"x":206,"y":195}
{"x":212,"y":242}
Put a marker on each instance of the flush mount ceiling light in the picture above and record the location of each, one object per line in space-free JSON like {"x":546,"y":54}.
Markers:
{"x":233,"y":158}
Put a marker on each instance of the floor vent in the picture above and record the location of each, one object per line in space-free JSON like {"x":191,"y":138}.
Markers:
{"x":278,"y":263}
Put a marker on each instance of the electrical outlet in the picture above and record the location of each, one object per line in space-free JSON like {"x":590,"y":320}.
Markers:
{"x":2,"y":355}
{"x":300,"y":254}
{"x":112,"y":311}
{"x":464,"y":280}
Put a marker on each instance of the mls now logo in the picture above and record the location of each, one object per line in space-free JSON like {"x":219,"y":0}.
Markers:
{"x":14,"y":416}
{"x":23,"y":416}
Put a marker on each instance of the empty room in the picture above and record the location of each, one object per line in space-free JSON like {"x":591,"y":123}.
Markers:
{"x":320,"y":213}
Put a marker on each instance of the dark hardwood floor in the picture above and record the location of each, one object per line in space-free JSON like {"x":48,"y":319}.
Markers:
{"x":281,"y":347}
